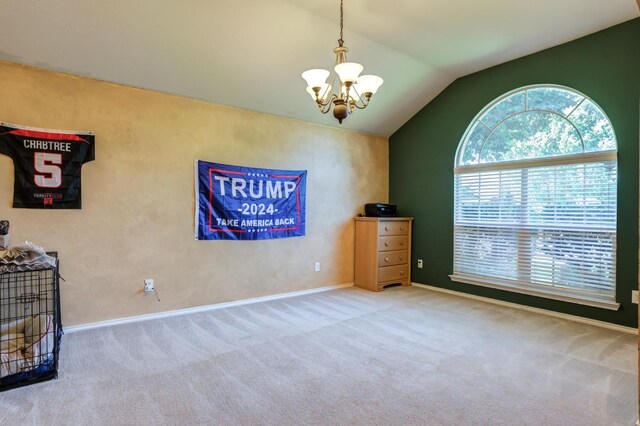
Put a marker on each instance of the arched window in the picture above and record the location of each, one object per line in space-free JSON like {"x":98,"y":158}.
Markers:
{"x":536,"y":197}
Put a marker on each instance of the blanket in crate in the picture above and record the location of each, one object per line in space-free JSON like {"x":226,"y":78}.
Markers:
{"x":28,"y":257}
{"x":25,"y":344}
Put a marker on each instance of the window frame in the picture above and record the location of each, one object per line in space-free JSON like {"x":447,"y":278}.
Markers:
{"x":608,"y":155}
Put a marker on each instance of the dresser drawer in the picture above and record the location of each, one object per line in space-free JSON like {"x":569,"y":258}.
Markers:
{"x":393,"y":243}
{"x":389,"y":258}
{"x":393,"y":228}
{"x":389,"y":273}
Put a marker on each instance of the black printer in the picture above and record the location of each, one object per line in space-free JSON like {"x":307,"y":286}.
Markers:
{"x":380,"y":210}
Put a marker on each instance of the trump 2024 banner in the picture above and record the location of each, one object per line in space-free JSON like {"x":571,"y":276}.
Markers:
{"x":243,"y":203}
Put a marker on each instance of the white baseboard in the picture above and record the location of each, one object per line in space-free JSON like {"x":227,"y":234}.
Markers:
{"x":147,"y":317}
{"x":569,"y":317}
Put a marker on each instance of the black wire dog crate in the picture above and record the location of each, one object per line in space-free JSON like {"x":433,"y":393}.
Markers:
{"x":30,"y":326}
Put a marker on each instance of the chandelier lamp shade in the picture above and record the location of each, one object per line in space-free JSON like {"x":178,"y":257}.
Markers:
{"x":346,"y":89}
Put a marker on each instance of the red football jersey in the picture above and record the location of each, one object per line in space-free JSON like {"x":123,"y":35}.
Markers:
{"x":47,"y":165}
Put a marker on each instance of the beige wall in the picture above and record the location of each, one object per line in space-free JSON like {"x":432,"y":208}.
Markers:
{"x":138,"y":201}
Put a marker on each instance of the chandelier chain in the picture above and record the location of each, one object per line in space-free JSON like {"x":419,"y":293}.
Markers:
{"x":340,"y":40}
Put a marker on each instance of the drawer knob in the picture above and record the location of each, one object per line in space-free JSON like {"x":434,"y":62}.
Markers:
{"x":401,"y":272}
{"x":402,"y":228}
{"x":386,"y":259}
{"x":386,"y":244}
{"x":400,"y":258}
{"x":401,"y":243}
{"x":386,"y":228}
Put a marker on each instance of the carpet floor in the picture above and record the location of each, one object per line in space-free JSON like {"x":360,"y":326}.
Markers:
{"x":405,"y":356}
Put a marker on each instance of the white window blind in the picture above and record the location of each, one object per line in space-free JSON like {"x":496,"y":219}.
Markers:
{"x":546,"y":226}
{"x":536,"y":197}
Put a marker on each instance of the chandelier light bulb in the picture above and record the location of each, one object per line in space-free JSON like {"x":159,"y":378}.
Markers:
{"x":315,"y":77}
{"x":323,"y":93}
{"x":369,"y":84}
{"x":348,"y":71}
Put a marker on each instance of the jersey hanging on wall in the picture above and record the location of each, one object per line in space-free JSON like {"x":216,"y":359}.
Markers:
{"x":47,"y":165}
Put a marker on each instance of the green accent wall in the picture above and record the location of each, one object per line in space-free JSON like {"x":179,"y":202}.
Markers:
{"x":604,"y":66}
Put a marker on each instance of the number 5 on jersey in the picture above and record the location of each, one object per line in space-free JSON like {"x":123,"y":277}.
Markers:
{"x":47,"y":163}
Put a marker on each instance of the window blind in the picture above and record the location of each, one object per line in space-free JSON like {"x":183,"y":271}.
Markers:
{"x":550,"y":228}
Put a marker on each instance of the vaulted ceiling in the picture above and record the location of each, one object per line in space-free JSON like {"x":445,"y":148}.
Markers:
{"x":250,"y":53}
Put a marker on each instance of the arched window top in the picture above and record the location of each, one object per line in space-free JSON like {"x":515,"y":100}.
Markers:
{"x":536,"y":122}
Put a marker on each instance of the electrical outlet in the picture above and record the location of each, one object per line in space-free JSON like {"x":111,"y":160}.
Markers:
{"x":148,"y":285}
{"x":420,"y":263}
{"x":317,"y":267}
{"x":634,"y":296}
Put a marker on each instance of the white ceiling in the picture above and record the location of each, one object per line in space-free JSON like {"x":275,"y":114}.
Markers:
{"x":250,"y":53}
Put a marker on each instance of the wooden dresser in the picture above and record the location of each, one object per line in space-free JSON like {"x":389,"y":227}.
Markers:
{"x":383,"y":252}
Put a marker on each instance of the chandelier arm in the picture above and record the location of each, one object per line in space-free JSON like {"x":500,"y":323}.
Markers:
{"x":335,"y":88}
{"x":363,"y":104}
{"x":324,"y":95}
{"x":325,"y":107}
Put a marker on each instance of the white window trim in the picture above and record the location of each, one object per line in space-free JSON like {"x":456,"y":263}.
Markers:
{"x":539,"y":290}
{"x":528,"y":288}
{"x":476,"y":119}
{"x":591,"y":157}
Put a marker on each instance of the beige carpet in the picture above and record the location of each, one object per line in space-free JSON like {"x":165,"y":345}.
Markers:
{"x":406,"y":356}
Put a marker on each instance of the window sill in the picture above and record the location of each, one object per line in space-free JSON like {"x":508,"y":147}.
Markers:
{"x":537,"y":290}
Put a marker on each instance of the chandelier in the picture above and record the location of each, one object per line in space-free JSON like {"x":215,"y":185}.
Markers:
{"x":351,"y":90}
